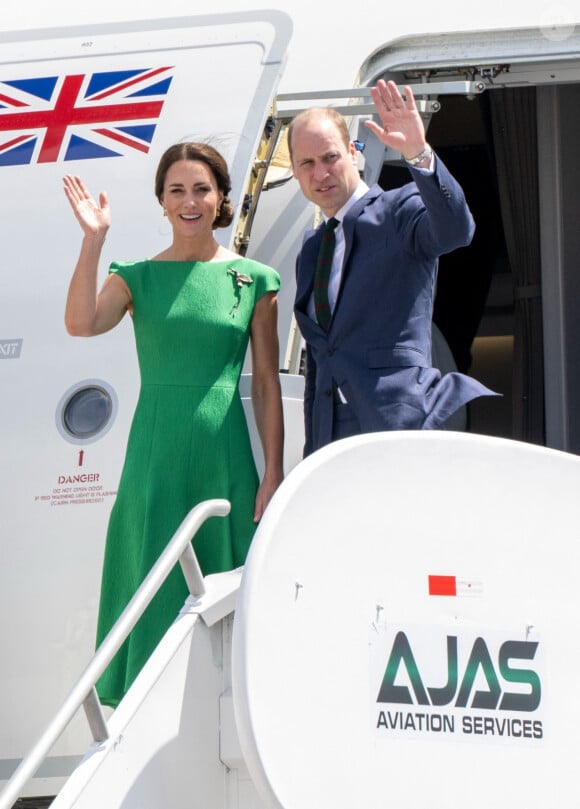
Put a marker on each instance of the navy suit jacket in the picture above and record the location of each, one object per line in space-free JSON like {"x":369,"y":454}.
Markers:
{"x":378,"y":345}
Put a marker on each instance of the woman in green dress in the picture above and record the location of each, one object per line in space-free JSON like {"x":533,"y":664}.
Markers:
{"x":195,"y":307}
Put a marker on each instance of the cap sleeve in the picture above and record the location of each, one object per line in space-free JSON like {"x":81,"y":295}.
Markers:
{"x":266,"y":279}
{"x":127,"y":271}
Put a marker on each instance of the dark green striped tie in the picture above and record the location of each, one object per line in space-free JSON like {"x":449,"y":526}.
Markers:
{"x":322,"y":274}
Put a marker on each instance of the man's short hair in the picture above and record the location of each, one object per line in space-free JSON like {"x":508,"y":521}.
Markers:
{"x":320,"y":112}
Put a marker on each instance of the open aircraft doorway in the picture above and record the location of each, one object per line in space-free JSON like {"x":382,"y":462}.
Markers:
{"x":513,"y":149}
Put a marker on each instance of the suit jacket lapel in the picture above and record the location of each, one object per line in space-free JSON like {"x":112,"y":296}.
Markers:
{"x":350,"y":221}
{"x":308,"y":258}
{"x":348,"y":225}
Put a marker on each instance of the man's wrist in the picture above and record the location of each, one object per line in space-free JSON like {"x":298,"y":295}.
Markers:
{"x":424,"y":157}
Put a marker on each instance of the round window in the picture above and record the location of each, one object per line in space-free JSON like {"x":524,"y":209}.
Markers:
{"x":86,"y":412}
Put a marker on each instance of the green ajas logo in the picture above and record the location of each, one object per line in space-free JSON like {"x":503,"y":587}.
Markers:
{"x":459,"y":689}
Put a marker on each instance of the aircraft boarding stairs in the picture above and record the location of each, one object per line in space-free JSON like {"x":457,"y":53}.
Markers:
{"x":404,"y":633}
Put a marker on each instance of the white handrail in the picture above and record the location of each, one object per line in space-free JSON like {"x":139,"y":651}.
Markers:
{"x":178,"y":548}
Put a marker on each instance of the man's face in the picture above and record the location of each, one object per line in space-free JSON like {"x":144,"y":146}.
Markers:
{"x":324,"y":167}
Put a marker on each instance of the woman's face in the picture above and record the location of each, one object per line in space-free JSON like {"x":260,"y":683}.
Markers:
{"x":191,"y":198}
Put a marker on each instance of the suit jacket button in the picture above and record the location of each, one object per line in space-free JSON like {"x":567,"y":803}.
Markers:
{"x":328,"y":392}
{"x":330,"y":352}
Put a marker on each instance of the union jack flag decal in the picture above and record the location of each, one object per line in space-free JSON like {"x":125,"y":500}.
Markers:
{"x":80,"y":117}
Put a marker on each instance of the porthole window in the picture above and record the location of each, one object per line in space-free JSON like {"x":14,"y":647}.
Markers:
{"x":86,"y":411}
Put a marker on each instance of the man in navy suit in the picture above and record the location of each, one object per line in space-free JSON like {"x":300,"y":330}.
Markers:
{"x":369,"y":368}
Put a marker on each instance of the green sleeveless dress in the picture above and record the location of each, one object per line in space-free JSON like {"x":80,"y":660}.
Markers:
{"x":188,"y":442}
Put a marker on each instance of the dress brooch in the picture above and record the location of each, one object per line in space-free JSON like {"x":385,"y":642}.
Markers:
{"x":239,"y":280}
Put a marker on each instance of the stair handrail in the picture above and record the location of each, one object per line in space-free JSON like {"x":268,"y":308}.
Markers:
{"x":179,"y":548}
